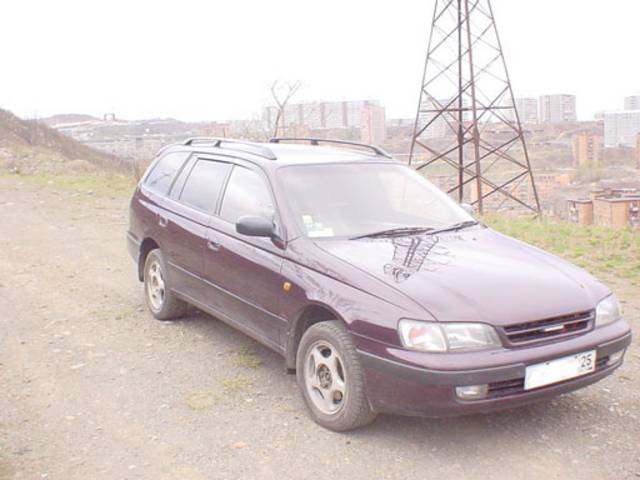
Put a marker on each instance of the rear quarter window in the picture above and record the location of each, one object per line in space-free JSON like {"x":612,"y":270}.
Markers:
{"x":164,"y":171}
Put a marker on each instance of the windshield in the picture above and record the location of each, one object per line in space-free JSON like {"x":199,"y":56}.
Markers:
{"x":350,"y":200}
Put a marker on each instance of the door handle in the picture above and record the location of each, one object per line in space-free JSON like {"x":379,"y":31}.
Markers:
{"x":211,"y":245}
{"x":163,"y":221}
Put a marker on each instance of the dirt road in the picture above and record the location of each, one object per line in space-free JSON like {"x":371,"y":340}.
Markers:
{"x":91,"y":387}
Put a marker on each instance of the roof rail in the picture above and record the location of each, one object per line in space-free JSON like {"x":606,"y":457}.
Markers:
{"x":317,"y":141}
{"x":232,"y":144}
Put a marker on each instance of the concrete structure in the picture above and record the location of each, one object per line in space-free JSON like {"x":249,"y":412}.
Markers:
{"x":527,"y":109}
{"x":320,"y":115}
{"x":558,"y":108}
{"x":632,"y":103}
{"x":587,"y":148}
{"x":621,"y":128}
{"x":580,"y":211}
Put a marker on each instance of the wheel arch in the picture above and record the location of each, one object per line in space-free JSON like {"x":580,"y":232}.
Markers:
{"x":147,"y":245}
{"x":310,"y":315}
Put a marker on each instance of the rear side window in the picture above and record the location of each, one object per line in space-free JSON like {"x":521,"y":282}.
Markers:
{"x":203,"y":186}
{"x":246,"y":194}
{"x":165,"y":170}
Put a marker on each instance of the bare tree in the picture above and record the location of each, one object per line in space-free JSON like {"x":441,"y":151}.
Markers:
{"x":253,"y":129}
{"x":282,"y":92}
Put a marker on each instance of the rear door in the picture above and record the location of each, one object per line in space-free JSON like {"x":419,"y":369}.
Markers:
{"x":246,"y":271}
{"x":194,"y":197}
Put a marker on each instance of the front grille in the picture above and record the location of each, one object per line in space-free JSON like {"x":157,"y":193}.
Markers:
{"x":549,"y":328}
{"x":515,"y":386}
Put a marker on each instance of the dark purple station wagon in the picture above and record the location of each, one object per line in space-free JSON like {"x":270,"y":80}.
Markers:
{"x":381,"y":293}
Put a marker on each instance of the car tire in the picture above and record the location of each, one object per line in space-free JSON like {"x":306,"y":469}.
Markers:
{"x":161,"y":301}
{"x":330,"y":376}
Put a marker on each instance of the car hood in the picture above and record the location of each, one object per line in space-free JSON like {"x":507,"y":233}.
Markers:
{"x":475,"y":274}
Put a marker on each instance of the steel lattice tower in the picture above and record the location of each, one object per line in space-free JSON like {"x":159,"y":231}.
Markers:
{"x":467,"y":118}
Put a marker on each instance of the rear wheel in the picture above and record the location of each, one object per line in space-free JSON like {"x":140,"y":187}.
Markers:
{"x":331,"y":379}
{"x":162,"y":303}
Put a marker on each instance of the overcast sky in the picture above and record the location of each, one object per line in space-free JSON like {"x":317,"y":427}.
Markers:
{"x":215,"y":60}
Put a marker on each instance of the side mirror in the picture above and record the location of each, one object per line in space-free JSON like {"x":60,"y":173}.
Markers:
{"x":467,"y":208}
{"x":255,"y":227}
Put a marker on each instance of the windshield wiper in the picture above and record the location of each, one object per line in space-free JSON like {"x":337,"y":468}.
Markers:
{"x":399,"y":231}
{"x":390,"y":232}
{"x":456,"y":226}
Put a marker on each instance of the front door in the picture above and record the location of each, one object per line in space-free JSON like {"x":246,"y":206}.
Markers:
{"x":246,"y":270}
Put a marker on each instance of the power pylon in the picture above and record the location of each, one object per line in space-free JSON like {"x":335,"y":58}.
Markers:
{"x":467,"y":118}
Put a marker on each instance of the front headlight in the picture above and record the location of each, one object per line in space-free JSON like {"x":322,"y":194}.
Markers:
{"x":447,"y":337}
{"x":607,"y":311}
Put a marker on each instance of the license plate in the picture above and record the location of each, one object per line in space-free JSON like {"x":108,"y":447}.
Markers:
{"x":560,"y":369}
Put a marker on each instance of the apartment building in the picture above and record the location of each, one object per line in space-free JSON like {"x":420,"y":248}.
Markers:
{"x":558,"y":108}
{"x":621,"y":128}
{"x":320,"y":115}
{"x":527,"y":110}
{"x":632,"y":102}
{"x":607,"y":206}
{"x":587,"y":148}
{"x":617,"y":211}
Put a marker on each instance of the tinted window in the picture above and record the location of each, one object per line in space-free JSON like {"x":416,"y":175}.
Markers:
{"x":246,"y":194}
{"x":165,"y":170}
{"x":204,"y":183}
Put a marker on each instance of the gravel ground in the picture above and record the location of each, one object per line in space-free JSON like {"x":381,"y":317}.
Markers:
{"x":92,"y":387}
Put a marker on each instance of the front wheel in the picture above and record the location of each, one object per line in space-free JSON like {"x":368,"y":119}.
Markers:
{"x":330,"y":377}
{"x":162,"y":303}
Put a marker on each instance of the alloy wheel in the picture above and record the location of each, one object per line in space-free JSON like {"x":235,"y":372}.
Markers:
{"x":155,"y":285}
{"x":325,"y":378}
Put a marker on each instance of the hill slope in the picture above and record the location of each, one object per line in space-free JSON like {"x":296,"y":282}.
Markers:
{"x":29,"y":145}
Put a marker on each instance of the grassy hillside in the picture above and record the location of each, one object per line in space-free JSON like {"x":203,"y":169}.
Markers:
{"x":600,"y":250}
{"x":32,"y":146}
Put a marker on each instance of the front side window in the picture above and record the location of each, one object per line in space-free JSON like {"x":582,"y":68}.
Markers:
{"x":203,"y":185}
{"x":165,"y":170}
{"x":247,"y":194}
{"x":348,"y":200}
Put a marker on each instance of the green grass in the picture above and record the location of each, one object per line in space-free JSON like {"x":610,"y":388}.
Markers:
{"x":104,"y":185}
{"x":600,"y":250}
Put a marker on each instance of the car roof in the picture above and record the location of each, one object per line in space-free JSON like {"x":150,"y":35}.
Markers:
{"x":275,"y":155}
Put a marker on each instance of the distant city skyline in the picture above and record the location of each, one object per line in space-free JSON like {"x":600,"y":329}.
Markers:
{"x":145,"y":60}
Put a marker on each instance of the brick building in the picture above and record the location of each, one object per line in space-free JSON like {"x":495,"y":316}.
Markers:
{"x":580,"y":211}
{"x":587,"y":148}
{"x":617,"y":211}
{"x":373,"y":124}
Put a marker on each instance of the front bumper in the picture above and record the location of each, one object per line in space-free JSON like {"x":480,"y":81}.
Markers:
{"x":395,"y":386}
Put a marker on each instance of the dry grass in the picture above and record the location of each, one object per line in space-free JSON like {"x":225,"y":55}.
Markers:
{"x":104,"y":184}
